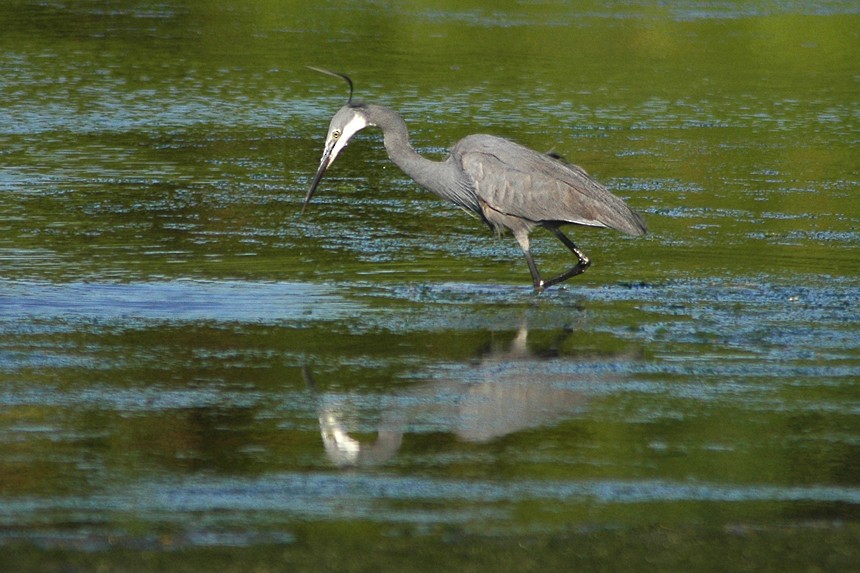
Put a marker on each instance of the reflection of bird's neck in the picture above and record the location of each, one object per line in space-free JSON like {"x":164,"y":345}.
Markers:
{"x":344,"y":450}
{"x":443,"y":178}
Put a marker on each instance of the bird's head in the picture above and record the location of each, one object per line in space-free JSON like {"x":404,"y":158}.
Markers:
{"x":349,"y":120}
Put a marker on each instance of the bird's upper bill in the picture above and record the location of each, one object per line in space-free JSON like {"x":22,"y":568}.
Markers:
{"x":345,"y":123}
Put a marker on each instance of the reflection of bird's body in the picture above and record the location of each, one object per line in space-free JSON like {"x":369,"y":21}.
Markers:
{"x":505,"y":184}
{"x":505,"y":391}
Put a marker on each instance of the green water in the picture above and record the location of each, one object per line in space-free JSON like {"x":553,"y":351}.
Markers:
{"x":194,"y":378}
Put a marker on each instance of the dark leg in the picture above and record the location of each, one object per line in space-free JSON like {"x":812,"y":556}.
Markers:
{"x":583,"y":262}
{"x":522,"y":237}
{"x":538,"y":282}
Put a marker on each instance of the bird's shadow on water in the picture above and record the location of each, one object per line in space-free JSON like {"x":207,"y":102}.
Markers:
{"x":505,"y":389}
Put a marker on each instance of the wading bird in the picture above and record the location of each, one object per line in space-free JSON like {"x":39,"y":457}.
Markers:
{"x":508,"y":186}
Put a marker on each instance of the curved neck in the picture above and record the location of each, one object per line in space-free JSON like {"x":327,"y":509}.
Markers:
{"x":442,"y":178}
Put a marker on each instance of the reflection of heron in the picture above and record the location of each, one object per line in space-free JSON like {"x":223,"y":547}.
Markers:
{"x":508,"y":186}
{"x":504,"y":392}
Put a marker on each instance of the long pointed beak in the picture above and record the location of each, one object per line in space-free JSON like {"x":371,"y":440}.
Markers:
{"x":324,"y":163}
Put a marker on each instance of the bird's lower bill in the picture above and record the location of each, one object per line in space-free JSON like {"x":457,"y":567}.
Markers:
{"x":324,"y":163}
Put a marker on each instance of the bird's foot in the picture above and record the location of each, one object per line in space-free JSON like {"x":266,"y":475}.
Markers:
{"x":580,"y":268}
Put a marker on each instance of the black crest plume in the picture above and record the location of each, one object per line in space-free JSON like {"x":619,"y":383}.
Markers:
{"x":337,"y":75}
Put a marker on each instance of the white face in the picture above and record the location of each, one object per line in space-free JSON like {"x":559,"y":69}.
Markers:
{"x":345,"y":123}
{"x":339,"y":137}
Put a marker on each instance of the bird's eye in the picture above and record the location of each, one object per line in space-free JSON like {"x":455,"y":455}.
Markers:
{"x":335,"y":134}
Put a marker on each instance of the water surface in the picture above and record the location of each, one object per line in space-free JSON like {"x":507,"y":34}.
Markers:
{"x":193,"y":376}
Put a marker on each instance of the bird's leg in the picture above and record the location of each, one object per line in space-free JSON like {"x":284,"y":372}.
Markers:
{"x":538,"y":282}
{"x":583,"y":262}
{"x":522,"y":237}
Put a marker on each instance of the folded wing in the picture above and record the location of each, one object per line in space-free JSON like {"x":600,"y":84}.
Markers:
{"x":519,"y":182}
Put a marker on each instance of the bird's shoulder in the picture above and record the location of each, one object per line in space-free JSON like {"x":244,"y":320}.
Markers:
{"x":515,"y":181}
{"x":484,"y":155}
{"x":519,"y":181}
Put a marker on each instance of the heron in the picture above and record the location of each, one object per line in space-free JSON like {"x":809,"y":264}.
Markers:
{"x":504,"y":184}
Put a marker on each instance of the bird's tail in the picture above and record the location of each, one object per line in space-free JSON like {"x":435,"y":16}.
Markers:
{"x":635,"y":225}
{"x":622,"y":218}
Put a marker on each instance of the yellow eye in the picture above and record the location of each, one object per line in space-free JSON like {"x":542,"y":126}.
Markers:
{"x":335,"y":134}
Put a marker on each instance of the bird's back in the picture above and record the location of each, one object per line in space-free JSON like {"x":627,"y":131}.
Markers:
{"x":519,"y":182}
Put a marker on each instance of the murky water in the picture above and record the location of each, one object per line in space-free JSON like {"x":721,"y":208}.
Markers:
{"x":190,"y":371}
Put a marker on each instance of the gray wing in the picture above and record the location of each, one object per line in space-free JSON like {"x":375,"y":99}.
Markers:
{"x":517,"y":181}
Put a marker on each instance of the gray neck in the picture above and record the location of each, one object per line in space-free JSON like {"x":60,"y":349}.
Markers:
{"x":443,"y":178}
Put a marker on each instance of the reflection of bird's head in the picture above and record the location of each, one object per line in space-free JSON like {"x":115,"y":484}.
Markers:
{"x":346,"y":451}
{"x":339,"y":446}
